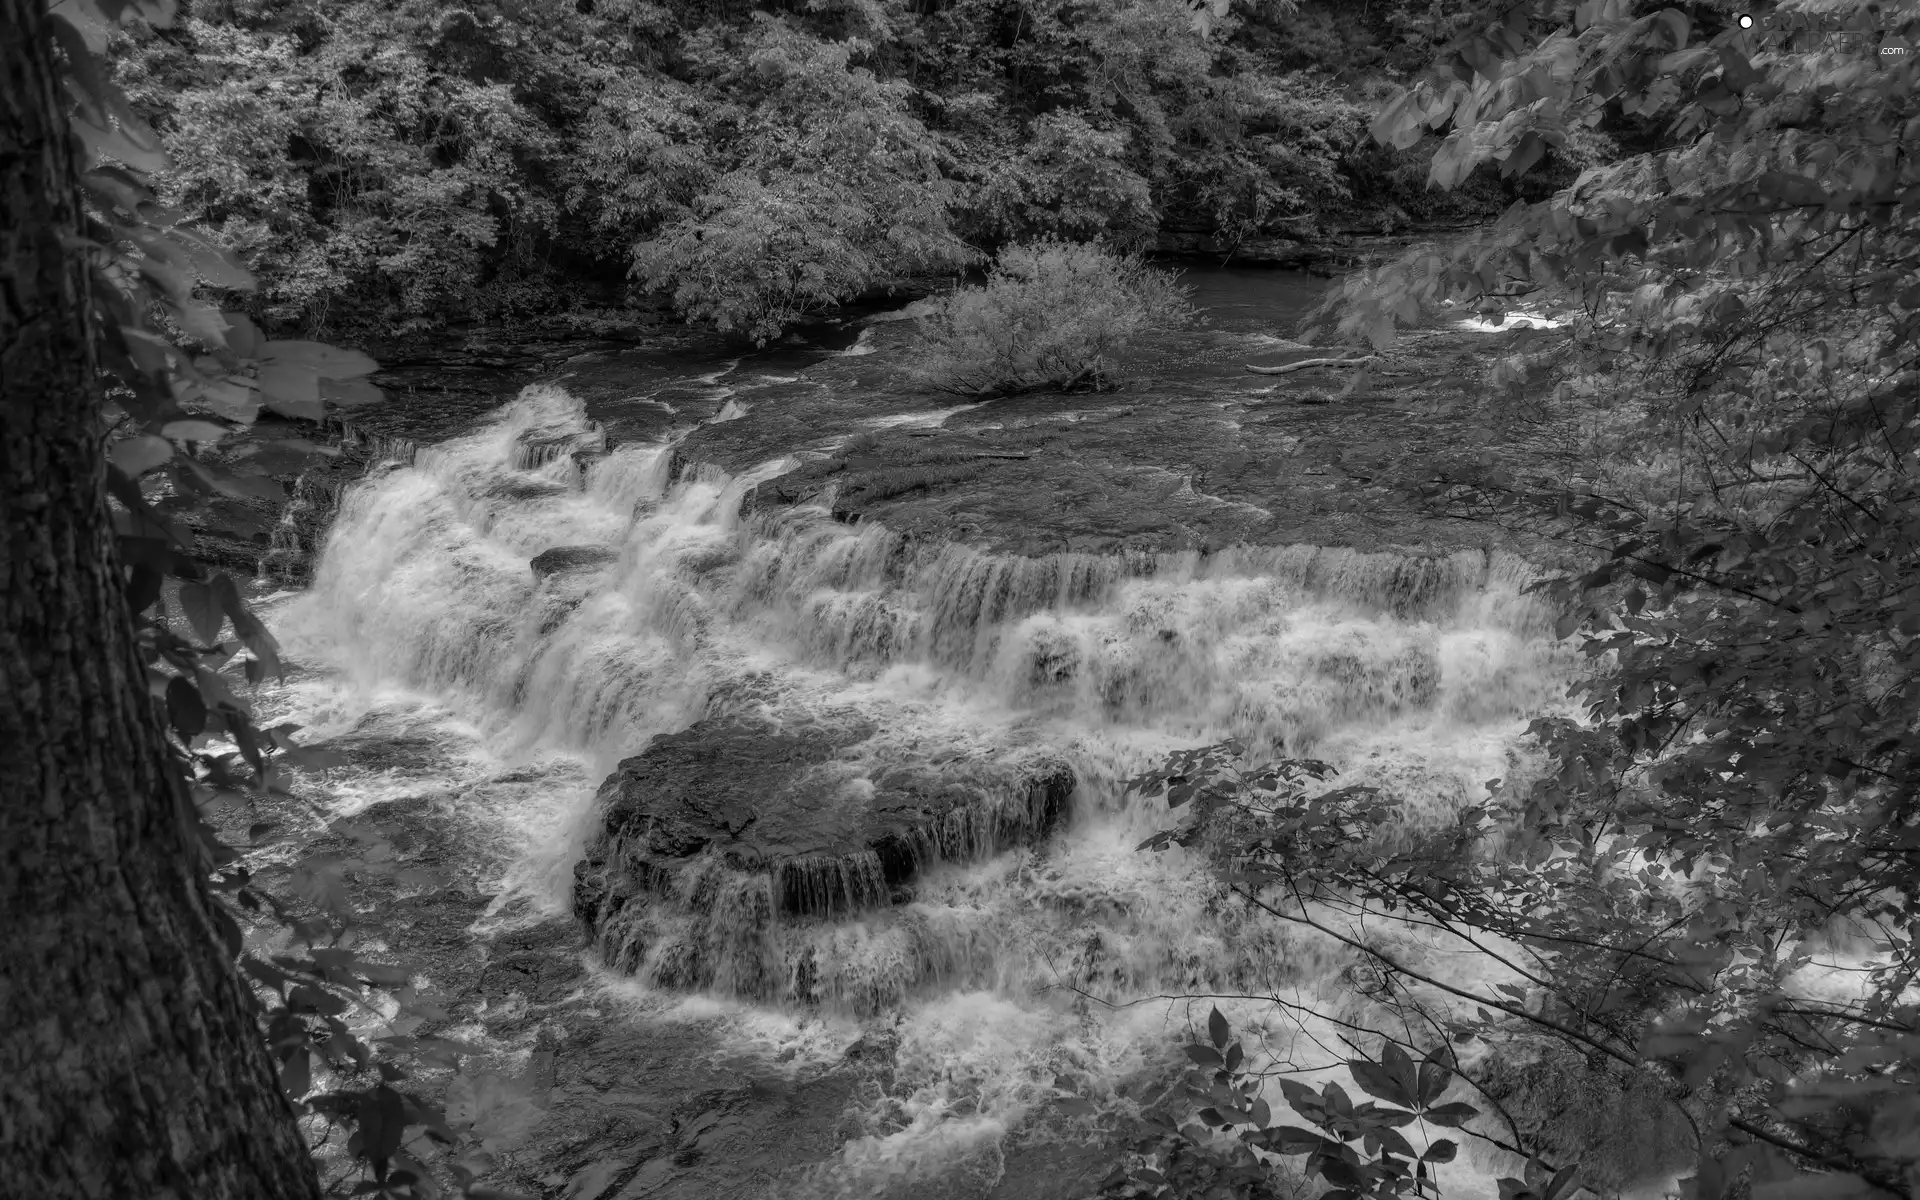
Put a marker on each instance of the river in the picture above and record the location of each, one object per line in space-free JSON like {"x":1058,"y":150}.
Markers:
{"x":1035,"y":993}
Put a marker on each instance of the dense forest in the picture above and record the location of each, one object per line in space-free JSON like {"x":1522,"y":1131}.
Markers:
{"x":408,"y":164}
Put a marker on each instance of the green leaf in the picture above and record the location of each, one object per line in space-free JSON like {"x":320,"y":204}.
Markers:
{"x":1393,"y":1142}
{"x":86,"y":17}
{"x":143,"y":586}
{"x":292,"y":390}
{"x":1291,"y":1139}
{"x":114,"y":142}
{"x":1525,"y":154}
{"x":319,"y":359}
{"x":218,"y":267}
{"x":382,"y":1124}
{"x":296,"y":1077}
{"x":172,"y":284}
{"x":1677,"y":25}
{"x":310,"y":998}
{"x":1401,"y":1067}
{"x":1451,"y":162}
{"x":1217,"y":1028}
{"x":1454,"y":1114}
{"x":1401,"y":123}
{"x":202,"y":610}
{"x":214,"y":690}
{"x":1377,"y":1081}
{"x":86,"y":81}
{"x":251,"y":632}
{"x":1563,"y":1182}
{"x":1206,"y":1056}
{"x":1335,"y":1098}
{"x":1434,"y":1076}
{"x":116,"y":187}
{"x":200,"y":321}
{"x":193,"y":431}
{"x":157,"y":13}
{"x":243,"y":337}
{"x":1304,"y":1099}
{"x":139,"y":454}
{"x":149,"y":351}
{"x":234,"y":399}
{"x":1441,"y":1151}
{"x":186,"y":711}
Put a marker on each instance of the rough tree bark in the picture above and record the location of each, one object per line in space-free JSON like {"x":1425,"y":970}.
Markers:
{"x":131,"y":1065}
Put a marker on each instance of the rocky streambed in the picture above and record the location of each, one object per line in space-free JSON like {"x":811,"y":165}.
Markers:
{"x":743,"y":737}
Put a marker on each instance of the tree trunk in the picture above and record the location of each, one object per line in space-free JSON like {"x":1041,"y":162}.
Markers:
{"x":131,"y":1064}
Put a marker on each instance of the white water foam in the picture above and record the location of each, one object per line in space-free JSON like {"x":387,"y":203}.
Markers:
{"x":931,"y":419}
{"x":1013,"y":981}
{"x":862,"y":346}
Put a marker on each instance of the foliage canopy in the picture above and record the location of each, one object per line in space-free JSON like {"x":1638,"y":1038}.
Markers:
{"x":1727,"y":423}
{"x":401,"y":165}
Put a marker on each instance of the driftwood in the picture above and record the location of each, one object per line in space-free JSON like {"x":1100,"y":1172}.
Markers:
{"x":1305,"y":363}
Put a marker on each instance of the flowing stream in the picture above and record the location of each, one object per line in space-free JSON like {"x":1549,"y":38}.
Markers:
{"x":1012,"y":982}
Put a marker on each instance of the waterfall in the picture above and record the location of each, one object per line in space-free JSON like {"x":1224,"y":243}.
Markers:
{"x":913,"y":662}
{"x":285,"y":549}
{"x":425,"y":578}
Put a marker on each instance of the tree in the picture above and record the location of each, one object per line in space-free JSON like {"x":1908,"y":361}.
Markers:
{"x":130,"y":1060}
{"x":838,"y":190}
{"x":1739,"y":798}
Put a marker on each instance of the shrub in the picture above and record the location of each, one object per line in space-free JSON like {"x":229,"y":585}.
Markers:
{"x":1050,"y":314}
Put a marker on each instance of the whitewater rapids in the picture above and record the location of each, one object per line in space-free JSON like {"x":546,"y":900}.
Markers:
{"x":1011,"y":982}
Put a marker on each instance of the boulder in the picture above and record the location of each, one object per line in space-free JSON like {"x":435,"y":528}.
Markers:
{"x":570,"y":558}
{"x":812,"y":814}
{"x":525,"y":489}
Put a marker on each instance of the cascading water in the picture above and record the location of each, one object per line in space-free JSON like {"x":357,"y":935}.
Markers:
{"x":1410,"y":672}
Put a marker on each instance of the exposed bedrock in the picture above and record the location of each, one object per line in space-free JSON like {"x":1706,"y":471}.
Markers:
{"x":711,"y":835}
{"x":561,"y":559}
{"x":814,"y":806}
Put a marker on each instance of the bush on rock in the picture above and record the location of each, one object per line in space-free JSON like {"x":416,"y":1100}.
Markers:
{"x":1051,"y":314}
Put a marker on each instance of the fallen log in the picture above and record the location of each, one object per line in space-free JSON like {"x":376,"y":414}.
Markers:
{"x":1304,"y":363}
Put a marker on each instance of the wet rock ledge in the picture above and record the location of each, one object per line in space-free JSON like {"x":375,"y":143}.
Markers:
{"x":744,"y":817}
